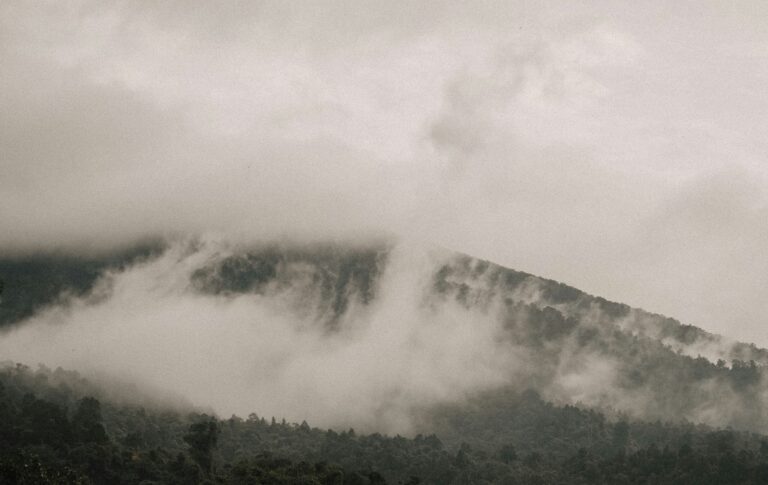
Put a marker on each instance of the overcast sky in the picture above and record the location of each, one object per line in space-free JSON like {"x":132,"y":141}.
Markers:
{"x":619,"y":148}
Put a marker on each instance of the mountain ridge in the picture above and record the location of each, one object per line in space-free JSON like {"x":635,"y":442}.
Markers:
{"x":54,"y":276}
{"x":567,"y":345}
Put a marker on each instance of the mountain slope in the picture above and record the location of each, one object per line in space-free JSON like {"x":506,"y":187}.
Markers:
{"x":58,"y":428}
{"x":449,"y":326}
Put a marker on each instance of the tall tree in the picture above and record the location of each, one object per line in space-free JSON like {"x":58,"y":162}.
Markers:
{"x":202,"y":438}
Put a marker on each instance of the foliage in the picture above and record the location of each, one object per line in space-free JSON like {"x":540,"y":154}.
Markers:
{"x":51,"y":433}
{"x":30,"y":283}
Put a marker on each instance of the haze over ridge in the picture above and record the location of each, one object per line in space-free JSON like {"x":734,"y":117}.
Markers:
{"x":372,"y":336}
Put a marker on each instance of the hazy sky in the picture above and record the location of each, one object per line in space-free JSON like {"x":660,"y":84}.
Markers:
{"x":617,"y":147}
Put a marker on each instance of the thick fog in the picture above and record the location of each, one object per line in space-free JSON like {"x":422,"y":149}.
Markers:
{"x":615,"y":147}
{"x":269,"y":353}
{"x":377,"y":365}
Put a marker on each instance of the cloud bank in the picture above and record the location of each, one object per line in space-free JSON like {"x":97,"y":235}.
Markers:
{"x":615,"y":148}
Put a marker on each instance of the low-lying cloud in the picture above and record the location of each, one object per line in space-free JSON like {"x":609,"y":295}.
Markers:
{"x":260,"y":353}
{"x":421,"y":340}
{"x":576,"y":142}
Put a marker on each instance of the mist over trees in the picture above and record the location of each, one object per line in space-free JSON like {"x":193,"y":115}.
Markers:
{"x":467,"y":325}
{"x":276,"y":243}
{"x":28,"y":283}
{"x":52,"y":434}
{"x":580,"y":390}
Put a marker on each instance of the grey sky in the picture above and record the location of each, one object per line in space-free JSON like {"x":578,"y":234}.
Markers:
{"x":617,"y":147}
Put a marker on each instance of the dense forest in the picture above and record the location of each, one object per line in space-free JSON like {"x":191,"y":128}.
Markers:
{"x":31,"y":282}
{"x":640,"y":423}
{"x":55,"y":427}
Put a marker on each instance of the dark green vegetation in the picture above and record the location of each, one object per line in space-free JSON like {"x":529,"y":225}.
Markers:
{"x":341,"y":276}
{"x":331,"y":278}
{"x":642,"y":363}
{"x":631,"y":427}
{"x":552,"y":310}
{"x":53,"y":430}
{"x":30,"y":283}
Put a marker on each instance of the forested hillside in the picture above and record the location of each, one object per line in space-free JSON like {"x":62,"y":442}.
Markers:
{"x":558,"y":386}
{"x":55,"y":430}
{"x":29,"y":283}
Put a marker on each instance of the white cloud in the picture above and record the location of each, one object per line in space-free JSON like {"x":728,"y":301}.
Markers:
{"x":545,"y":137}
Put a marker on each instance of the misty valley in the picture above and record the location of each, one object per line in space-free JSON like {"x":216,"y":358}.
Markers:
{"x":205,"y":361}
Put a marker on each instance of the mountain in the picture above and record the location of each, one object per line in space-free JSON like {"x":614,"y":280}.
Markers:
{"x":494,"y":375}
{"x":571,"y":347}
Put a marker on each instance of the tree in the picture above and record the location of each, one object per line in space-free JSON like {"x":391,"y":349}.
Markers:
{"x":620,"y":434}
{"x":508,"y":453}
{"x":86,"y":422}
{"x":202,"y":438}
